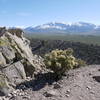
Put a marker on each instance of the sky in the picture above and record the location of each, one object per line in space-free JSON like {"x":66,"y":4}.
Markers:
{"x":24,"y":13}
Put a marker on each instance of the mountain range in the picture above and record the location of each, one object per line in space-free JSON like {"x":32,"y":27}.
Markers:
{"x":69,"y":28}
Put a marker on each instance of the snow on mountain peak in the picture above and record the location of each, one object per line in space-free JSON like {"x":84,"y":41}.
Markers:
{"x":62,"y":25}
{"x":56,"y":27}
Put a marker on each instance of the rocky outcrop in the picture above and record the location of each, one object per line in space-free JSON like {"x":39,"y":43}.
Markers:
{"x":16,"y":59}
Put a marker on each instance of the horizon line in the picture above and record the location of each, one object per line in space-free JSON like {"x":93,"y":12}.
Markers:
{"x":22,"y":26}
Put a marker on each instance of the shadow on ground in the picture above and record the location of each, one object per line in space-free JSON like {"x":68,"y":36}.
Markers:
{"x":39,"y":82}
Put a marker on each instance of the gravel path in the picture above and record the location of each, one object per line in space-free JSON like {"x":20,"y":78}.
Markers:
{"x":79,"y":84}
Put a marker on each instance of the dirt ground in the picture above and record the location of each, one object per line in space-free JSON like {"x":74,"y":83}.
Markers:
{"x":79,"y":84}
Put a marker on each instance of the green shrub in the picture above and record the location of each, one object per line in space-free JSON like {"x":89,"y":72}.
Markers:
{"x":61,"y":61}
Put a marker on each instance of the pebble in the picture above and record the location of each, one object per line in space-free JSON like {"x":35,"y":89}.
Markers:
{"x":20,"y":94}
{"x":14,"y":92}
{"x":56,"y":86}
{"x":88,"y":87}
{"x":68,"y":91}
{"x":50,"y":93}
{"x":90,"y":73}
{"x":67,"y":95}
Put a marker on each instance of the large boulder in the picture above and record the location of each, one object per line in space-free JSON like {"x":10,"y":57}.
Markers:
{"x":16,"y":59}
{"x":15,"y":73}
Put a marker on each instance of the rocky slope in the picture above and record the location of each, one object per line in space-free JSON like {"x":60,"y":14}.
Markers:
{"x":79,"y":84}
{"x":16,"y":60}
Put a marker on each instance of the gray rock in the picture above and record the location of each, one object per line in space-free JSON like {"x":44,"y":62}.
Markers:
{"x":15,"y":73}
{"x":23,"y":51}
{"x":8,"y":53}
{"x":2,"y":60}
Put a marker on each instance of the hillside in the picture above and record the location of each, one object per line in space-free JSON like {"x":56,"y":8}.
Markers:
{"x":23,"y":75}
{"x":88,"y":52}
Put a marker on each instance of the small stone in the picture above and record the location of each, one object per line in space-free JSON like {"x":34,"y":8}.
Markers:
{"x":50,"y":93}
{"x":28,"y":78}
{"x":67,"y":95}
{"x":88,"y":87}
{"x":17,"y":90}
{"x":20,"y":94}
{"x":90,"y":74}
{"x":56,"y":86}
{"x":14,"y":92}
{"x":68,"y":91}
{"x":25,"y":93}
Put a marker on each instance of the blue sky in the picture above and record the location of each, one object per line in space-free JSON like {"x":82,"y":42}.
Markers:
{"x":35,"y":12}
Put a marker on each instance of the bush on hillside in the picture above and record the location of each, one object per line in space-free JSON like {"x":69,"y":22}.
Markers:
{"x":61,"y":61}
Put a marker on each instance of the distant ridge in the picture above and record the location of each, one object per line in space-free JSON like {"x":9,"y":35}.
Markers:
{"x":69,"y":28}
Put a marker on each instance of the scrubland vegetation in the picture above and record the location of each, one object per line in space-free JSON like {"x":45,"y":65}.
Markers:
{"x":61,"y":61}
{"x":88,"y":52}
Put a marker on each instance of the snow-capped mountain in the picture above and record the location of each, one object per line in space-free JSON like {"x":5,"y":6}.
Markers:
{"x":67,"y":28}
